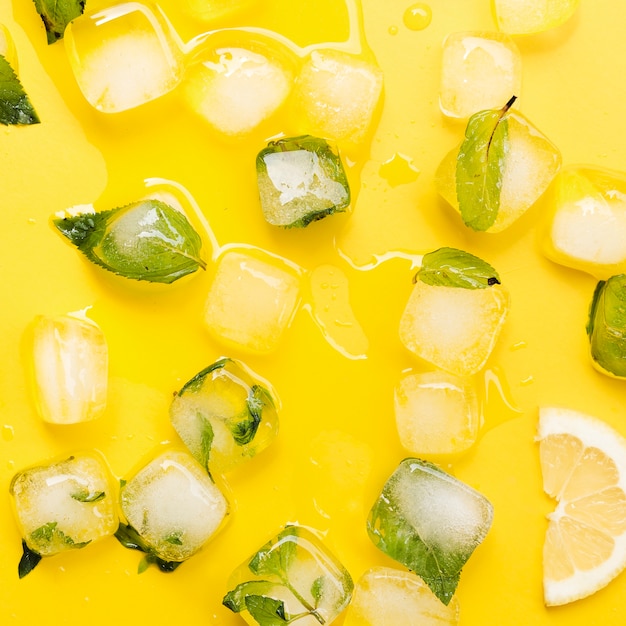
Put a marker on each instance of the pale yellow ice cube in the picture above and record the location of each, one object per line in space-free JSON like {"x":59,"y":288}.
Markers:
{"x":70,"y":369}
{"x":237,"y":89}
{"x":436,"y":413}
{"x":587,"y":229}
{"x":480,"y":70}
{"x":252,"y":300}
{"x":453,"y":328}
{"x":385,"y":596}
{"x":123,"y":56}
{"x":523,"y":17}
{"x":210,"y":10}
{"x":337,"y":95}
{"x":531,"y":163}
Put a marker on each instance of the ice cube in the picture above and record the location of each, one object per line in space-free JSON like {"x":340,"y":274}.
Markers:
{"x":237,"y":89}
{"x":66,"y":504}
{"x":337,"y":96}
{"x":480,"y":70}
{"x":173,"y":505}
{"x":211,"y":10}
{"x":123,"y":56}
{"x":292,"y":575}
{"x":430,"y":522}
{"x":385,"y":596}
{"x":523,"y":17}
{"x":452,"y":328}
{"x":436,"y":413}
{"x":587,"y":229}
{"x":252,"y":299}
{"x":530,"y":164}
{"x":225,"y":415}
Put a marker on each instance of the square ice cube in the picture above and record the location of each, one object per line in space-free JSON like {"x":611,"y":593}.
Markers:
{"x":436,"y":413}
{"x":337,"y":96}
{"x":252,"y":299}
{"x":385,"y":596}
{"x":173,"y":505}
{"x":452,"y":328}
{"x":123,"y":56}
{"x":236,"y":89}
{"x":430,"y":522}
{"x":294,"y":576}
{"x":524,"y":17}
{"x":480,"y":70}
{"x":66,"y":504}
{"x":531,"y":162}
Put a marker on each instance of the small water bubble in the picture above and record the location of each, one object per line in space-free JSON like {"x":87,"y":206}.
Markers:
{"x":393,"y":30}
{"x":7,"y":432}
{"x":417,"y":17}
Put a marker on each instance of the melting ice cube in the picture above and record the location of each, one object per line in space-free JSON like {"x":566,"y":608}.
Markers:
{"x":523,"y":17}
{"x":211,"y":10}
{"x":123,"y":56}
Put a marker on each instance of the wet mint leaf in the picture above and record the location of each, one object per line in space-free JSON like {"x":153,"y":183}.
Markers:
{"x":267,"y":611}
{"x":206,"y":440}
{"x":132,"y":540}
{"x":15,"y":107}
{"x":235,"y":600}
{"x":147,"y":240}
{"x":88,"y":496}
{"x":57,"y":14}
{"x":276,"y":556}
{"x":480,"y":167}
{"x":449,"y":267}
{"x":29,"y":561}
{"x":317,"y":589}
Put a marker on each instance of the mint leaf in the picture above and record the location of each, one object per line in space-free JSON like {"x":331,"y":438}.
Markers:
{"x":88,"y":496}
{"x":15,"y":107}
{"x":29,"y":561}
{"x":245,"y":428}
{"x":480,"y":167}
{"x":317,"y":589}
{"x":174,"y":539}
{"x":276,"y":556}
{"x":266,"y":611}
{"x":235,"y":599}
{"x":57,"y":14}
{"x":147,"y":240}
{"x":132,"y":540}
{"x":196,"y":383}
{"x":206,"y":440}
{"x":449,"y":267}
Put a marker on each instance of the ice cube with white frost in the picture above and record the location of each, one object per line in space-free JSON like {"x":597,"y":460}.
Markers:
{"x":587,"y":225}
{"x":480,"y":70}
{"x":337,"y":96}
{"x":124,"y":56}
{"x":252,"y":299}
{"x":63,"y":505}
{"x":437,"y":413}
{"x":452,"y":328}
{"x":524,"y":17}
{"x":385,"y":596}
{"x":235,"y":90}
{"x":172,"y":508}
{"x":430,"y":522}
{"x":293,"y":576}
{"x":226,"y":414}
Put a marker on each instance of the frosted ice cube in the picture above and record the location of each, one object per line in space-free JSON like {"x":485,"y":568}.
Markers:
{"x":531,"y":163}
{"x":523,"y":17}
{"x":453,"y":328}
{"x":237,"y":90}
{"x":66,"y":504}
{"x":436,"y":413}
{"x":294,"y":574}
{"x":588,"y":224}
{"x":385,"y":596}
{"x":225,"y":415}
{"x":211,"y":10}
{"x":174,"y":505}
{"x":252,"y":299}
{"x":480,"y":71}
{"x":337,"y":95}
{"x":123,"y":56}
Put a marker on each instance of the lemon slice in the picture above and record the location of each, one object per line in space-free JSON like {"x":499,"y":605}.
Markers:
{"x":583,"y":462}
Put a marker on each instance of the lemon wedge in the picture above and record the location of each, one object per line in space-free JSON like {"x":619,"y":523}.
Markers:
{"x":583,"y":462}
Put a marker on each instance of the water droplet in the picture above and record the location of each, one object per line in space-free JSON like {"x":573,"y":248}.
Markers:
{"x":7,"y":432}
{"x":393,"y":30}
{"x":417,"y":17}
{"x":398,"y":170}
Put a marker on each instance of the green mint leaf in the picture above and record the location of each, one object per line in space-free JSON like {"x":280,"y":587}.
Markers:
{"x":449,"y":267}
{"x":206,"y":440}
{"x":132,"y":540}
{"x":480,"y":167}
{"x":266,"y":611}
{"x":57,"y":14}
{"x":29,"y":561}
{"x":15,"y":107}
{"x":145,"y":563}
{"x":276,"y":556}
{"x":235,"y":599}
{"x":147,"y":240}
{"x":50,"y":535}
{"x":88,"y":496}
{"x":317,"y":589}
{"x":195,"y":384}
{"x":245,"y":427}
{"x":174,"y":539}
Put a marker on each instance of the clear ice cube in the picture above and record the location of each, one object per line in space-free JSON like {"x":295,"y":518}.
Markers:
{"x":173,"y":505}
{"x":436,"y":413}
{"x":480,"y":70}
{"x":293,"y":575}
{"x":524,"y":17}
{"x":237,"y":89}
{"x":252,"y":299}
{"x":452,"y":328}
{"x":386,"y":596}
{"x":212,"y":10}
{"x":66,"y":504}
{"x":123,"y":56}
